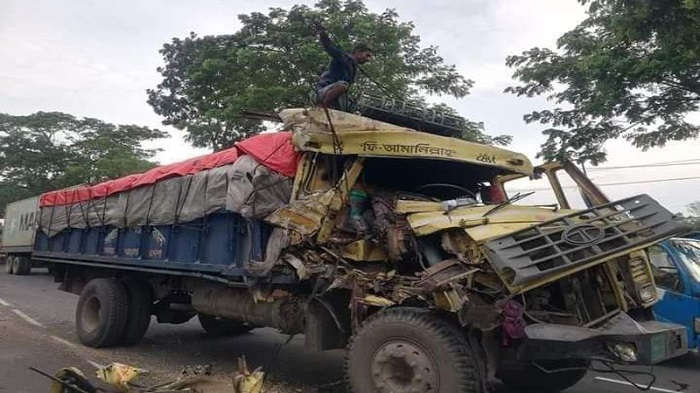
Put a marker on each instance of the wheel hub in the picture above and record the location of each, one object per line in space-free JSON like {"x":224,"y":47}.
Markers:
{"x":404,"y":367}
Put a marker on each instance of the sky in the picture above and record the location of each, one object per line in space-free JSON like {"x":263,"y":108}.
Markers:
{"x":96,"y":59}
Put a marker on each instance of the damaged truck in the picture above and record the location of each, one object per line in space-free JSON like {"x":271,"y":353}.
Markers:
{"x":401,"y":246}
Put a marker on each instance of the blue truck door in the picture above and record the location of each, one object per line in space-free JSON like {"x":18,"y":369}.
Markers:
{"x":676,"y":302}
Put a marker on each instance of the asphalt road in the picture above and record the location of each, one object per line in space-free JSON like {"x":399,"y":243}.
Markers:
{"x":37,"y":329}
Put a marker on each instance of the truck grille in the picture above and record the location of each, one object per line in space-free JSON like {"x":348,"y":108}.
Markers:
{"x":580,"y":238}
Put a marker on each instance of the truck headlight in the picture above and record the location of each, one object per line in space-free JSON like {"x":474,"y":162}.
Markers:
{"x":647,"y":293}
{"x":624,"y":351}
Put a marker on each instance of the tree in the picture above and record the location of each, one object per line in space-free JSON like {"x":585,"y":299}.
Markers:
{"x":49,"y":150}
{"x":274,"y":61}
{"x":693,"y":217}
{"x":630,"y":70}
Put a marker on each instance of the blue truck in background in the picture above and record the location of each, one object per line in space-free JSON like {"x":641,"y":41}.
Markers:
{"x":676,"y":268}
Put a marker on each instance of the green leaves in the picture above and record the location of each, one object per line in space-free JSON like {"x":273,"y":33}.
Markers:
{"x":630,"y":70}
{"x":49,"y":150}
{"x":274,"y":60}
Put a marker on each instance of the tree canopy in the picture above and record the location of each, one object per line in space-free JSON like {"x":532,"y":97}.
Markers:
{"x":630,"y":70}
{"x":274,"y":61}
{"x":49,"y":150}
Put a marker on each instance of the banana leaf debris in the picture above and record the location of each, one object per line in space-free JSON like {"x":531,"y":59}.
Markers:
{"x":123,"y":378}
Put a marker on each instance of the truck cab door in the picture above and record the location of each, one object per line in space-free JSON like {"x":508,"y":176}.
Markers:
{"x":676,"y":303}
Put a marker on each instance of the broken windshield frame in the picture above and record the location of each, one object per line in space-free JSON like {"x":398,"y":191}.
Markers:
{"x":590,"y":195}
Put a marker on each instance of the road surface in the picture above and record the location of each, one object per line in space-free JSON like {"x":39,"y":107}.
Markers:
{"x":37,"y":329}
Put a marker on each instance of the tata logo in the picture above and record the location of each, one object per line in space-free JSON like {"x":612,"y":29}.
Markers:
{"x":583,"y":234}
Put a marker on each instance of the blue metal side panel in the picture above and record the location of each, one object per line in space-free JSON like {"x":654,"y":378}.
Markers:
{"x":221,"y":238}
{"x":219,"y":243}
{"x":93,"y":241}
{"x":75,"y":240}
{"x":154,"y":241}
{"x":260,"y":233}
{"x":185,"y":242}
{"x":56,"y":243}
{"x":41,"y":242}
{"x":130,"y":242}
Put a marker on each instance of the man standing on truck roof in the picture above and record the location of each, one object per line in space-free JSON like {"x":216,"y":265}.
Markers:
{"x":334,"y":83}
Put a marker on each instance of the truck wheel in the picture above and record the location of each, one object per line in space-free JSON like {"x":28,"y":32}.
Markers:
{"x":216,"y":326}
{"x":531,"y":378}
{"x":23,"y":266}
{"x":140,"y":299}
{"x":10,"y":264}
{"x":102,"y":313}
{"x":410,"y":350}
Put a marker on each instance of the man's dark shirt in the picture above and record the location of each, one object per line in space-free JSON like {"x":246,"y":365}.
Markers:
{"x":341,"y":68}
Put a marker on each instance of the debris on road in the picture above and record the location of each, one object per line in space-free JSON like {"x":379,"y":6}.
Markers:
{"x":120,"y":375}
{"x":189,"y":376}
{"x":245,"y":381}
{"x":68,"y":380}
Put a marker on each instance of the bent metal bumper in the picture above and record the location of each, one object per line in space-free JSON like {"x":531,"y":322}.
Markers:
{"x":652,"y":341}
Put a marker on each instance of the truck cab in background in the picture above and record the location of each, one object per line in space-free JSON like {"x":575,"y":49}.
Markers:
{"x":18,"y":236}
{"x":676,"y":267}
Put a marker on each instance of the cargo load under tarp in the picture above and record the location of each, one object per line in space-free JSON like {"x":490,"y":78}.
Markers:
{"x":252,"y":178}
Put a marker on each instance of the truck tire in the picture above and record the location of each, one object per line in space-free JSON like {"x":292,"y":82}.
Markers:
{"x":10,"y":264}
{"x":217,"y":327}
{"x":411,"y":350}
{"x":140,"y":300}
{"x":530,"y":378}
{"x":23,"y":265}
{"x":102,"y":312}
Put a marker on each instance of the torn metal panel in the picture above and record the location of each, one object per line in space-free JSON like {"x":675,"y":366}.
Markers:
{"x":458,"y":244}
{"x":316,"y":120}
{"x":367,"y":137}
{"x":303,"y":215}
{"x":475,"y":216}
{"x":364,"y":250}
{"x":339,"y":198}
{"x":451,"y":300}
{"x":298,"y":265}
{"x":410,"y":206}
{"x":443,"y":273}
{"x":480,"y":314}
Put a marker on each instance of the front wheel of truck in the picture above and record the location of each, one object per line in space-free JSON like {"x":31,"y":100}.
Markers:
{"x":102,"y":313}
{"x":559,"y":375}
{"x":411,"y":350}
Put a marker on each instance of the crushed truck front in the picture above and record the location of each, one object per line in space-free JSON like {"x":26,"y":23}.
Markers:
{"x":413,"y":219}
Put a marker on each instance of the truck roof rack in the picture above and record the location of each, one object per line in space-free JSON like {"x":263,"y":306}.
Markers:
{"x":405,"y":114}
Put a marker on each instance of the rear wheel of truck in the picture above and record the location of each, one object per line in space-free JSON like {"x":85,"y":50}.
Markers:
{"x":23,"y":265}
{"x":102,"y":313}
{"x":10,"y":264}
{"x":411,"y":350}
{"x":532,"y":378}
{"x":140,"y":299}
{"x":217,"y":326}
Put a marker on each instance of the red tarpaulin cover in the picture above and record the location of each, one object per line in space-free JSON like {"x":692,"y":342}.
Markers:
{"x":273,"y":150}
